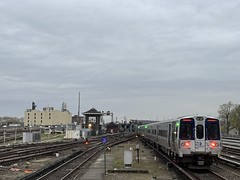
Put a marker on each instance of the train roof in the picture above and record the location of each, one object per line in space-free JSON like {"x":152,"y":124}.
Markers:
{"x":197,"y":115}
{"x":178,"y":118}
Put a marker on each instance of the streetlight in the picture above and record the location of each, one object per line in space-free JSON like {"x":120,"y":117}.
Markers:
{"x":4,"y":134}
{"x":90,"y":126}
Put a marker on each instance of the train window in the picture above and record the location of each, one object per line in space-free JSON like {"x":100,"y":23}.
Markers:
{"x":199,"y":129}
{"x":213,"y":131}
{"x":154,"y":132}
{"x":163,"y":133}
{"x":186,"y":129}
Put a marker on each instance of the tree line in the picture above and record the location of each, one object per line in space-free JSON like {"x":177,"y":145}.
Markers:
{"x":229,"y":113}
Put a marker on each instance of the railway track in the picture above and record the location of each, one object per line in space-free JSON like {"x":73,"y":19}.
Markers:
{"x":231,"y":151}
{"x":11,"y":154}
{"x":16,"y":154}
{"x":227,"y":171}
{"x":204,"y":174}
{"x":71,"y":168}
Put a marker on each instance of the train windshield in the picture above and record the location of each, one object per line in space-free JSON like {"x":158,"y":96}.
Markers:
{"x":186,"y":129}
{"x":212,"y":129}
{"x":199,"y":130}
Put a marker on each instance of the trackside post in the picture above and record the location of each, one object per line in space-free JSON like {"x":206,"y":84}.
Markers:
{"x":104,"y":141}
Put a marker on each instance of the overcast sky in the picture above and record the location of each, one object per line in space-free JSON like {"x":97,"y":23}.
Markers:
{"x":143,"y":59}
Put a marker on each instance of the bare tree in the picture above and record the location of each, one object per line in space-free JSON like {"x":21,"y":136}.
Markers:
{"x":236,"y":117}
{"x":226,"y":114}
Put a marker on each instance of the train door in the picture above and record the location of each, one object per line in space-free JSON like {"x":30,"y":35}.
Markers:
{"x":174,"y":136}
{"x":200,"y":137}
{"x":169,"y":134}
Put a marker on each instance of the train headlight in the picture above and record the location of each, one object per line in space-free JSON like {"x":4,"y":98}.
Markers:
{"x":213,"y":144}
{"x":186,"y":144}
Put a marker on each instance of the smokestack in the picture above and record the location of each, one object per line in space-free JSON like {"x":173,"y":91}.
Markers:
{"x":34,"y":106}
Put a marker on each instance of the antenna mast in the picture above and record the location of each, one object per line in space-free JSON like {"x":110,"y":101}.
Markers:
{"x":79,"y":104}
{"x":79,"y":110}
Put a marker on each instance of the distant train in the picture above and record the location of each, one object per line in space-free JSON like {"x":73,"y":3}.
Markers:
{"x":191,"y":141}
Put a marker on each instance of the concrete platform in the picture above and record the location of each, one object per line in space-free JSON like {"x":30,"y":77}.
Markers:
{"x":96,"y":170}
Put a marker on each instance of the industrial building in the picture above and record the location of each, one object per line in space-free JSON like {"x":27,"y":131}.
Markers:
{"x":47,"y":117}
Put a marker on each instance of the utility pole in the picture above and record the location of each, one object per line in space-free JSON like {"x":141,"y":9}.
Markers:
{"x":4,"y":134}
{"x":15,"y":135}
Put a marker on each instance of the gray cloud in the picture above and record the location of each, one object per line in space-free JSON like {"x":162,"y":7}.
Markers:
{"x":140,"y":59}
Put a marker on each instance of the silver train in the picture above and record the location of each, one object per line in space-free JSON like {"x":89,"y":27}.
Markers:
{"x":191,"y":141}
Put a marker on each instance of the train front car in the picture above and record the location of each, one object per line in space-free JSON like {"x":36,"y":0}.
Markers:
{"x":199,"y":141}
{"x":141,"y":130}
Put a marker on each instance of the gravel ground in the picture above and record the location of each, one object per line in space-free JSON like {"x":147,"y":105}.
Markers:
{"x":23,"y":167}
{"x":20,"y":169}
